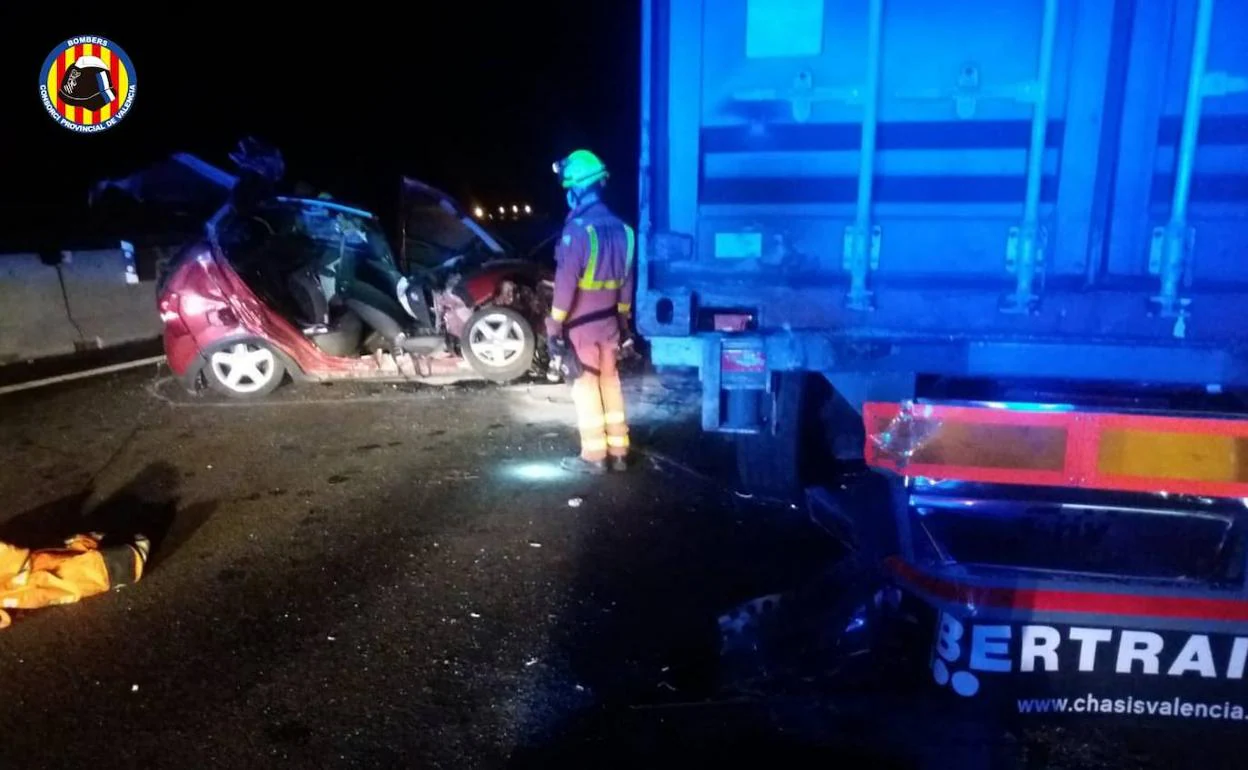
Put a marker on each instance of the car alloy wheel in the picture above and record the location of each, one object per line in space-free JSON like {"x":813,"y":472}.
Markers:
{"x":499,"y":343}
{"x":497,"y":340}
{"x":244,"y":369}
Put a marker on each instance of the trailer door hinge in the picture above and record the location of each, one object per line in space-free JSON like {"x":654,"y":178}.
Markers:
{"x":849,"y":248}
{"x":1014,"y":249}
{"x":1170,"y":260}
{"x":1157,"y":250}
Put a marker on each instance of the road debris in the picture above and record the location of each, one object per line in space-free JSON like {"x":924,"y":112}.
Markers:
{"x":575,"y":502}
{"x":530,"y":662}
{"x":781,"y":642}
{"x":330,"y":638}
{"x":535,"y":545}
{"x":474,"y":614}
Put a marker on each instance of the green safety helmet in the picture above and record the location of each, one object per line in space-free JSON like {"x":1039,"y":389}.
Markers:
{"x":580,"y":169}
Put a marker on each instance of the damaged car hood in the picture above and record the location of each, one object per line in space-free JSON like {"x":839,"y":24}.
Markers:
{"x":436,"y":229}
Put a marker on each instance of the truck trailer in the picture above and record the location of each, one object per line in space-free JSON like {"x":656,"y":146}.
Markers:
{"x":992,"y":250}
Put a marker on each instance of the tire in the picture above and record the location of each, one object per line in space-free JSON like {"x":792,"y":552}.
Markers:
{"x":224,"y":362}
{"x":499,"y":360}
{"x":769,"y":462}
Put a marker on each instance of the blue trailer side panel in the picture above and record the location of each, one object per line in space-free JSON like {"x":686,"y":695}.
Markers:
{"x":1023,"y":158}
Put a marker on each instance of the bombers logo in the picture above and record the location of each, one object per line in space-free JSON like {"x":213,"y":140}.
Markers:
{"x":87,"y":84}
{"x":964,"y":652}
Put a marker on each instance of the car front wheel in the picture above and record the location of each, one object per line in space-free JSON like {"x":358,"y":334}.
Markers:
{"x":244,"y":370}
{"x":499,"y":344}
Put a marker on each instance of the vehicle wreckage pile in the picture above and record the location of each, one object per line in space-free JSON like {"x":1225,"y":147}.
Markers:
{"x":308,"y":287}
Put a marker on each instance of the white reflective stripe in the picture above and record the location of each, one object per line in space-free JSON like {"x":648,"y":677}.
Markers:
{"x":613,"y":418}
{"x":10,"y":603}
{"x":594,"y":445}
{"x":632,"y":245}
{"x":590,"y":424}
{"x":617,"y":441}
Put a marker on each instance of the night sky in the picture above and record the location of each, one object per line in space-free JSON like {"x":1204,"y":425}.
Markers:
{"x":476,"y":97}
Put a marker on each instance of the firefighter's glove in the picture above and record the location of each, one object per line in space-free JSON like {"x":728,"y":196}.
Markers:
{"x":626,"y":334}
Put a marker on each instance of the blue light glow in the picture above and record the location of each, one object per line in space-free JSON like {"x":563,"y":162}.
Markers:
{"x":1020,"y":406}
{"x":328,"y":205}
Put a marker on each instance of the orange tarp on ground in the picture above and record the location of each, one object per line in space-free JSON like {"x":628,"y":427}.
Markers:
{"x":34,"y":578}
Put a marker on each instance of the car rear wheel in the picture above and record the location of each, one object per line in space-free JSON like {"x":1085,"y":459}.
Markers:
{"x":244,"y":370}
{"x":499,"y":344}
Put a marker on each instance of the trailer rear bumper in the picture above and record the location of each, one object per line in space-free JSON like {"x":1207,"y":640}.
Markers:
{"x":1053,"y":573}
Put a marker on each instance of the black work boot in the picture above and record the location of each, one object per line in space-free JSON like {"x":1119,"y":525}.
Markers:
{"x":581,"y":465}
{"x":619,"y":464}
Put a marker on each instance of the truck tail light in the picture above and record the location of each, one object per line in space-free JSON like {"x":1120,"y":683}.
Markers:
{"x":743,"y":360}
{"x":733,"y":322}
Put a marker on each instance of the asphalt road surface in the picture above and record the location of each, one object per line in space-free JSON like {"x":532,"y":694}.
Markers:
{"x":365,"y":576}
{"x":394,"y":577}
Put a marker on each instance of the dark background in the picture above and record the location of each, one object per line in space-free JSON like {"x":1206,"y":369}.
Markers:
{"x":477,"y":97}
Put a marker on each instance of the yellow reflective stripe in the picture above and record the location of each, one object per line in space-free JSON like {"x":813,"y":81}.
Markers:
{"x":558,"y":315}
{"x":613,"y":418}
{"x":587,"y":281}
{"x":593,"y":445}
{"x":617,"y":441}
{"x":596,"y":285}
{"x":624,"y":307}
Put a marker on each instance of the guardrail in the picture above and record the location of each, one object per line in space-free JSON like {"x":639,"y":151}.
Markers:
{"x":61,"y":303}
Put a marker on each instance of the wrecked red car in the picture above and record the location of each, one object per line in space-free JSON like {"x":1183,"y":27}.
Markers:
{"x":309,"y":288}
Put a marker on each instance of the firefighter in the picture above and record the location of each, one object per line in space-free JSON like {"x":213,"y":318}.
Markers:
{"x":589,"y":316}
{"x":84,"y":566}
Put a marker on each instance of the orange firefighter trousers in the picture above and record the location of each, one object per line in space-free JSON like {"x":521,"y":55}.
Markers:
{"x":599,"y":399}
{"x":30,"y":579}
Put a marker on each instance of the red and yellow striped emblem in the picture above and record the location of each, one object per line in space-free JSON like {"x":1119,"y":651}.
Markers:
{"x":120,"y":83}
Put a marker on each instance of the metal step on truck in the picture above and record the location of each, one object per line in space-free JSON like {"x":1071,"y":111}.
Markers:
{"x":996,"y":250}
